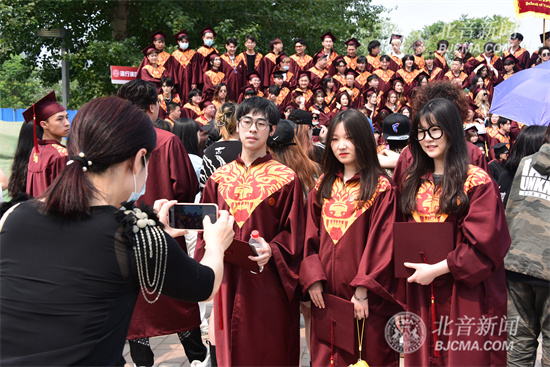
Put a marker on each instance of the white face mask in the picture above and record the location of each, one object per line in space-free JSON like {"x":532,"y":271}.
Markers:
{"x":184,"y":45}
{"x":134,"y":196}
{"x":286,"y":67}
{"x":208,"y":42}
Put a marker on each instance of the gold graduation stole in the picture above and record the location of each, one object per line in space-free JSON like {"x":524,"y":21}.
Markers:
{"x":215,"y":77}
{"x":183,"y":57}
{"x":155,"y":73}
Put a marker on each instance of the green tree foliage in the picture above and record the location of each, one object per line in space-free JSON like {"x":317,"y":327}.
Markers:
{"x":112,"y":32}
{"x":474,"y":31}
{"x":19,"y":85}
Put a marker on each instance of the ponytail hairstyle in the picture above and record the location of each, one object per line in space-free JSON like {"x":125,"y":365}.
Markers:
{"x":226,"y":120}
{"x":105,"y":132}
{"x":358,"y":129}
{"x":445,"y":114}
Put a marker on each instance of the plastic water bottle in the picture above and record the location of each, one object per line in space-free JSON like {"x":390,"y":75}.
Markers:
{"x":255,"y":243}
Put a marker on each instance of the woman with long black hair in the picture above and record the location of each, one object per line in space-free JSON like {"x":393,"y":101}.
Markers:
{"x":469,"y":284}
{"x":348,"y":248}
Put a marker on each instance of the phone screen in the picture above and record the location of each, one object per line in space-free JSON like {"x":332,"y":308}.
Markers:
{"x":190,"y":216}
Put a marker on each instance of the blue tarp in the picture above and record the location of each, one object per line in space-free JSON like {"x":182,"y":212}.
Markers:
{"x":16,"y":115}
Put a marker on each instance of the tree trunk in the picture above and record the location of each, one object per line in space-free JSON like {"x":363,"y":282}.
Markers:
{"x":120,"y":19}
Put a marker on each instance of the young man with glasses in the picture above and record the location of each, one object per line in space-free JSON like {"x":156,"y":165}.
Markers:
{"x":300,"y":61}
{"x":256,"y":315}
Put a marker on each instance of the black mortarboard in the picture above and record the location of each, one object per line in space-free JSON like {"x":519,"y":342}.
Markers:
{"x":544,"y":36}
{"x":352,"y":41}
{"x":328,"y":34}
{"x":206,"y":30}
{"x":149,"y":49}
{"x":510,"y":59}
{"x":183,"y":32}
{"x":499,"y":148}
{"x":41,"y":111}
{"x":395,"y":37}
{"x":156,"y":35}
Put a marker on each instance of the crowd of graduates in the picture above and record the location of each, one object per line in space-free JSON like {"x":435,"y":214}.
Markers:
{"x":321,"y":154}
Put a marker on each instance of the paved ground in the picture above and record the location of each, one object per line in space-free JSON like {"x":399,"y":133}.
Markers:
{"x":169,"y":352}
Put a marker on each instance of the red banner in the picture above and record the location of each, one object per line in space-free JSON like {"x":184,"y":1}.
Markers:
{"x":123,"y":74}
{"x":536,"y":8}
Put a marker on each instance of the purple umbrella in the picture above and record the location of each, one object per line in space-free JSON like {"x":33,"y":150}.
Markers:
{"x":525,"y":96}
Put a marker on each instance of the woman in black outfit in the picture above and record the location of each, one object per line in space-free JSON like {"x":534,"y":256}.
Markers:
{"x":72,"y":262}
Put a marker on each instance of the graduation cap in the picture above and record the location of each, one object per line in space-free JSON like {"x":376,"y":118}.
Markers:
{"x":388,"y":92}
{"x":157,"y":35}
{"x":352,"y":41}
{"x":422,"y":73}
{"x":470,"y":127}
{"x":499,"y":148}
{"x":396,"y":78}
{"x":480,"y":144}
{"x":395,"y":37}
{"x":516,"y":35}
{"x":340,"y":94}
{"x":212,"y":56}
{"x":544,"y":36}
{"x":149,"y":50}
{"x":509,"y":60}
{"x":368,"y":92}
{"x":290,"y":106}
{"x":318,"y":55}
{"x":207,"y":30}
{"x":183,"y":32}
{"x":352,"y":72}
{"x":304,"y":72}
{"x":329,"y":35}
{"x":338,"y":59}
{"x":384,"y":109}
{"x":283,"y":135}
{"x":301,"y":117}
{"x":477,"y":90}
{"x":41,"y":111}
{"x":278,"y":74}
{"x":248,"y":88}
{"x":280,"y":58}
{"x":253,"y":74}
{"x":396,"y":127}
{"x":205,"y":104}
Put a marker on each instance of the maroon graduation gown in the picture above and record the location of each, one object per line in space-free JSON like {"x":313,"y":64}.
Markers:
{"x":233,"y":70}
{"x":170,"y":176}
{"x":440,"y":62}
{"x":346,"y":247}
{"x":210,"y":79}
{"x":201,"y":65}
{"x":474,"y":291}
{"x":266,"y":68}
{"x":257,"y":315}
{"x":149,"y":74}
{"x":164,"y":60}
{"x":405,"y":160}
{"x":183,"y":62}
{"x":522,"y":55}
{"x":45,"y":165}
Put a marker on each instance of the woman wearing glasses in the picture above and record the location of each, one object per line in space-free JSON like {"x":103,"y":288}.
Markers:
{"x":481,"y":99}
{"x":469,"y":286}
{"x":256,"y":316}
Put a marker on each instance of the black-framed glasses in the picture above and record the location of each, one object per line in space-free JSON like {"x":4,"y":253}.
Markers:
{"x":545,"y":54}
{"x":434,"y":132}
{"x":247,"y":122}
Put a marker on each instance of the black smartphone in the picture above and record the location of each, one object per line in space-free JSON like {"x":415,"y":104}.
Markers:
{"x":190,"y":216}
{"x":316,"y":131}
